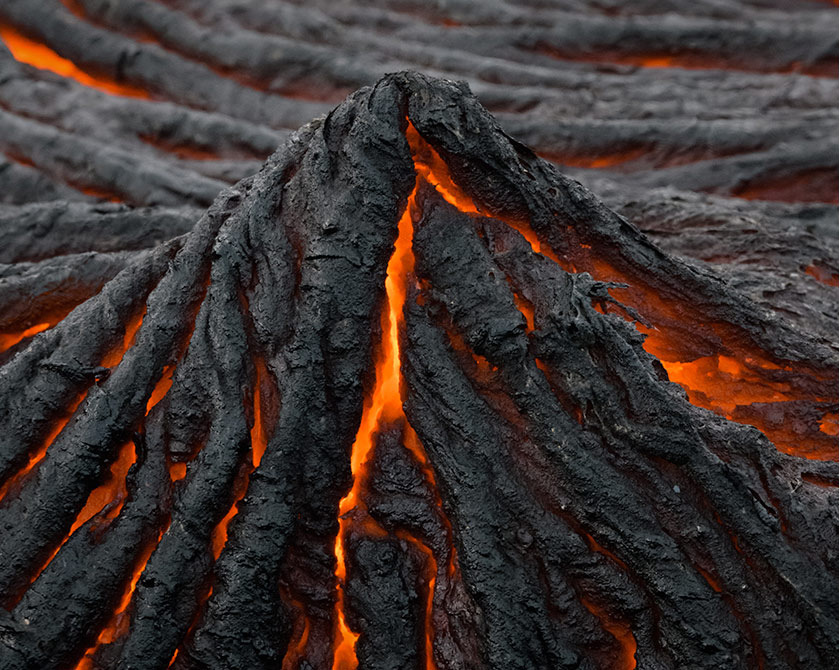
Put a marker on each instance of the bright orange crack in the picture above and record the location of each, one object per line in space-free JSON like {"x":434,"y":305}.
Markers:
{"x":110,"y":359}
{"x":300,"y":637}
{"x":26,"y":50}
{"x":117,"y":626}
{"x":383,"y":407}
{"x":626,"y":659}
{"x":728,"y":382}
{"x":8,"y":340}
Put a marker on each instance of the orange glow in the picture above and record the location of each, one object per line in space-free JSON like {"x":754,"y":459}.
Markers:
{"x":8,"y":340}
{"x":300,"y":638}
{"x":598,"y":162}
{"x":36,"y":458}
{"x":716,"y":587}
{"x":384,"y":406}
{"x":828,"y":425}
{"x":656,"y":61}
{"x":219,"y":537}
{"x":344,"y":656}
{"x":110,"y":359}
{"x":258,"y":444}
{"x":816,"y":185}
{"x":620,"y":631}
{"x":118,"y":624}
{"x":26,"y":50}
{"x":527,"y":310}
{"x":177,"y":471}
{"x":112,"y":490}
{"x":431,"y":570}
{"x":182,"y":151}
{"x":605,"y":552}
{"x":686,"y":60}
{"x":723,"y":382}
{"x":258,"y":438}
{"x":113,"y":357}
{"x":821,"y":275}
{"x":433,"y":169}
{"x":161,"y":388}
{"x":726,"y":383}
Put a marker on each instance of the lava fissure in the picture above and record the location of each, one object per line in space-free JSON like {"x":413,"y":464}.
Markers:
{"x":383,"y":407}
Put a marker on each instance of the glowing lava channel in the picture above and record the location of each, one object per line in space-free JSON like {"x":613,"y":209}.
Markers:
{"x":25,"y":50}
{"x":383,"y":407}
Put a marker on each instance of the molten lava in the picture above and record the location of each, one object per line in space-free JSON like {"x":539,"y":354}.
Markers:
{"x":8,"y":340}
{"x":384,"y":407}
{"x":737,"y":377}
{"x":31,"y":52}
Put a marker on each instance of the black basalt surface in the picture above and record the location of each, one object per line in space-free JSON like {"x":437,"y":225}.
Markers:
{"x":569,"y":507}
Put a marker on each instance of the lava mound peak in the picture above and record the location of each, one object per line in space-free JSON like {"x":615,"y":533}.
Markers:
{"x":410,"y":398}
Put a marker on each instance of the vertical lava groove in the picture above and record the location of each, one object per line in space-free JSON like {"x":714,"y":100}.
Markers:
{"x":119,"y":621}
{"x":384,"y":407}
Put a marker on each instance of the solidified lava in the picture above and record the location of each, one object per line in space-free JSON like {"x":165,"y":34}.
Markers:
{"x":410,"y":398}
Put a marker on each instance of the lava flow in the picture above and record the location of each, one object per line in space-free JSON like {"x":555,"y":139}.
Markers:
{"x":719,"y":382}
{"x":28,"y":51}
{"x":384,"y":406}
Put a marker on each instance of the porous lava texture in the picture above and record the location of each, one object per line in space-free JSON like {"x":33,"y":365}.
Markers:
{"x":409,"y":397}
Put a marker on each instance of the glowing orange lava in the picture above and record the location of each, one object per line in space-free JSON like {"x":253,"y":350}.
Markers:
{"x":8,"y":340}
{"x":112,"y":491}
{"x":258,"y":445}
{"x":725,"y":383}
{"x":430,"y":165}
{"x":300,"y":638}
{"x":383,"y":406}
{"x":828,"y":425}
{"x":620,"y":631}
{"x":38,"y":455}
{"x":26,"y":50}
{"x":113,"y":357}
{"x":177,"y":471}
{"x":117,"y":626}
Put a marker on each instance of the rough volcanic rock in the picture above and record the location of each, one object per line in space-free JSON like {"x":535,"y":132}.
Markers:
{"x":729,"y":97}
{"x":182,"y":478}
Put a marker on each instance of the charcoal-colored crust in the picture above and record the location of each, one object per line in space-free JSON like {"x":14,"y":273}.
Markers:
{"x":574,"y":509}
